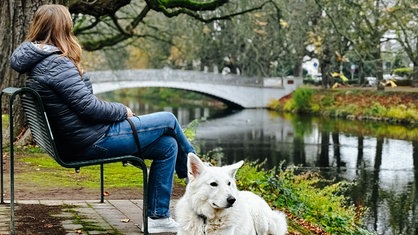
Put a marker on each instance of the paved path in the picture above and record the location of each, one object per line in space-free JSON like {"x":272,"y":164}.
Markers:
{"x":110,"y":217}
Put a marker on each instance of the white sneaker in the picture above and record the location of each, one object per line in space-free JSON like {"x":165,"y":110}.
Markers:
{"x":164,"y":225}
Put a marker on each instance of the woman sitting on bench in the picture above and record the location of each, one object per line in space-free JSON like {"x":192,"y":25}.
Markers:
{"x":85,"y":127}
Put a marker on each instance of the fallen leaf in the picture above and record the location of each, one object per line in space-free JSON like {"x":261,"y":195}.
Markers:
{"x":125,"y":220}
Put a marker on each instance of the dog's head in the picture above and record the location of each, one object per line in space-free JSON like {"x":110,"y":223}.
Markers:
{"x":212,"y":185}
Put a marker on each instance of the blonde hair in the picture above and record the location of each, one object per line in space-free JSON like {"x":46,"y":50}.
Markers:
{"x":52,"y":24}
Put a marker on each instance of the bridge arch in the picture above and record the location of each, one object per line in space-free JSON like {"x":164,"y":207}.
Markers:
{"x":234,"y":90}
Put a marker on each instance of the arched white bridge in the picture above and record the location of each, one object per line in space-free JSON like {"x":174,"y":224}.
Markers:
{"x":245,"y":92}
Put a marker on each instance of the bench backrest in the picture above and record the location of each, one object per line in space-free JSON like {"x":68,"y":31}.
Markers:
{"x":38,"y":122}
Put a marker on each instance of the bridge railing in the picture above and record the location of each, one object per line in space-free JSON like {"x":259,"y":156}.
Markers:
{"x":174,"y":75}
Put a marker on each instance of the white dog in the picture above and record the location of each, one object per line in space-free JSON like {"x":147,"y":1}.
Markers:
{"x":212,"y":204}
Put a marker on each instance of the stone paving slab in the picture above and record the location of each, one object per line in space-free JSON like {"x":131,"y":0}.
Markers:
{"x":4,"y":220}
{"x":110,"y":217}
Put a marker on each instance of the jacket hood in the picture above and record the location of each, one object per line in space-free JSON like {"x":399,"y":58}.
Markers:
{"x":28,"y":54}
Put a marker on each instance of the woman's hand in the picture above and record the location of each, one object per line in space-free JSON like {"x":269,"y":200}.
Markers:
{"x":129,"y":112}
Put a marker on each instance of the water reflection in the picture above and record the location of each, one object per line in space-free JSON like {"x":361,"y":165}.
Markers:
{"x":384,"y":168}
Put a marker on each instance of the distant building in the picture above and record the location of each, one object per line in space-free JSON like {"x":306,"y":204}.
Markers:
{"x":311,"y":66}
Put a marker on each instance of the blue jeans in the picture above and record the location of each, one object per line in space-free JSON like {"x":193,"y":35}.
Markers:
{"x":162,"y":140}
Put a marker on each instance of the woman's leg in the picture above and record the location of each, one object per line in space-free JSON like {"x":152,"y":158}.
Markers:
{"x":119,"y":140}
{"x":152,"y":126}
{"x":163,"y":151}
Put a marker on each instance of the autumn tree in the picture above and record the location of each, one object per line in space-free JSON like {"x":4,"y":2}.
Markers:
{"x":326,"y":37}
{"x":403,"y":24}
{"x":361,"y":27}
{"x":269,"y":41}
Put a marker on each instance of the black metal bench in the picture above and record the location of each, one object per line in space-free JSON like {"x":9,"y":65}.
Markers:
{"x":38,"y":123}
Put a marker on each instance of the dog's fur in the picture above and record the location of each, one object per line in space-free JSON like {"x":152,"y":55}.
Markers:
{"x":212,"y":204}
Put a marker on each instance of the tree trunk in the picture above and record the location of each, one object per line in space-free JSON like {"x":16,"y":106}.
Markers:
{"x":415,"y":62}
{"x":15,"y":16}
{"x":362,"y":81}
{"x":415,"y":70}
{"x":325,"y":65}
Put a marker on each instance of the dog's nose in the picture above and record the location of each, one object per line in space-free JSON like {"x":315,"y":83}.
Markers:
{"x":231,"y":200}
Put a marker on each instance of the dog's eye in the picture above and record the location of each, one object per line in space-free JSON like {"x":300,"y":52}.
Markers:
{"x":213,"y":184}
{"x":229,"y":183}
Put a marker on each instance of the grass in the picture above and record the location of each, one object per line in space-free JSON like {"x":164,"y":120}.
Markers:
{"x":40,"y":169}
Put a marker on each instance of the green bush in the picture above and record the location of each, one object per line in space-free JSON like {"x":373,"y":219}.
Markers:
{"x":403,"y":72}
{"x":300,"y":195}
{"x":302,"y":98}
{"x":375,"y":110}
{"x":290,"y":105}
{"x":397,"y":113}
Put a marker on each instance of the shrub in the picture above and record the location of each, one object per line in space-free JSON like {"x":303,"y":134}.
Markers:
{"x":302,"y":98}
{"x":412,"y":114}
{"x":397,"y":113}
{"x":290,"y":105}
{"x":300,"y":195}
{"x":375,"y":110}
{"x":403,"y":72}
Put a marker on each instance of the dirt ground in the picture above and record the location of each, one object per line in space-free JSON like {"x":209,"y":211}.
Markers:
{"x":38,"y":220}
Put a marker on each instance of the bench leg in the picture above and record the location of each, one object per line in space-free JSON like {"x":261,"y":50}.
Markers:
{"x":145,"y":197}
{"x":101,"y":183}
{"x":12,"y":193}
{"x":12,"y":173}
{"x":2,"y":174}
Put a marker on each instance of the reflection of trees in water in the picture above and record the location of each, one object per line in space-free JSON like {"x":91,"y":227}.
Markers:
{"x":337,"y":153}
{"x":401,"y":206}
{"x":360,"y":152}
{"x":401,"y":213}
{"x":375,"y":186}
{"x":323,"y":158}
{"x":299,"y":154}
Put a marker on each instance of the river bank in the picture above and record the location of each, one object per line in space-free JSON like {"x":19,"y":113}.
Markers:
{"x":397,"y":105}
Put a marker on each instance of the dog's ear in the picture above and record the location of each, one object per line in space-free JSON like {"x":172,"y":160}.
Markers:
{"x":194,"y":166}
{"x":232,"y":169}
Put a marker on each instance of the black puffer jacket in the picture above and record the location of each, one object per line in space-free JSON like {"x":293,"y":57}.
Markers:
{"x":77,"y":117}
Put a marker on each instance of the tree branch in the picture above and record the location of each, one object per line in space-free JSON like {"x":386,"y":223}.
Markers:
{"x":162,"y":5}
{"x":97,"y":7}
{"x":169,"y":8}
{"x":198,"y":17}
